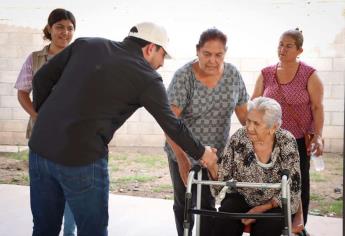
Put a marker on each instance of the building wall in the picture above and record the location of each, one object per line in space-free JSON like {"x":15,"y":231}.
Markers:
{"x":253,"y":28}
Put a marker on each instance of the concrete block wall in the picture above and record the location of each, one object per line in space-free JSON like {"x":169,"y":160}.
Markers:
{"x":16,"y":43}
{"x":247,"y":54}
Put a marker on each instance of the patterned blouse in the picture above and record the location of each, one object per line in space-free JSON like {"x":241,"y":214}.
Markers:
{"x":207,"y":111}
{"x":239,"y":162}
{"x":296,"y":94}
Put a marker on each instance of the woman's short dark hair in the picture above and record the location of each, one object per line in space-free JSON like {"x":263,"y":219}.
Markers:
{"x":211,"y":34}
{"x":296,"y":34}
{"x":55,"y":16}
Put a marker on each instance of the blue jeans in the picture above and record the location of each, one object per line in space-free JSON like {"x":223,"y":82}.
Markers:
{"x":85,"y":188}
{"x":69,"y":222}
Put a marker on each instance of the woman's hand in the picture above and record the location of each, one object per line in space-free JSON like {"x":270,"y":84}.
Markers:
{"x":212,"y":167}
{"x":260,"y":209}
{"x":316,"y":145}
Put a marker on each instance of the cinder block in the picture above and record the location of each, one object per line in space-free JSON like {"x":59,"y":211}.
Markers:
{"x":10,"y":51}
{"x":145,"y":116}
{"x":339,"y":49}
{"x":337,"y":145}
{"x":320,"y":64}
{"x":327,"y":145}
{"x":135,"y":117}
{"x":327,"y":91}
{"x":14,"y":64}
{"x":337,"y":118}
{"x":337,"y":91}
{"x":126,"y":140}
{"x":6,"y":89}
{"x":18,"y":113}
{"x":333,"y":105}
{"x":37,"y":39}
{"x":13,"y":125}
{"x":13,"y":138}
{"x":327,"y":118}
{"x":5,"y":113}
{"x":250,"y":89}
{"x":122,"y":129}
{"x":340,"y":37}
{"x":152,"y":140}
{"x":157,"y":129}
{"x":235,"y":61}
{"x":139,"y":128}
{"x":253,"y":64}
{"x":19,"y":138}
{"x":3,"y":38}
{"x":9,"y":101}
{"x":20,"y":38}
{"x":339,"y":64}
{"x":333,"y":132}
{"x":8,"y":76}
{"x":13,"y":148}
{"x":249,"y":78}
{"x":335,"y":77}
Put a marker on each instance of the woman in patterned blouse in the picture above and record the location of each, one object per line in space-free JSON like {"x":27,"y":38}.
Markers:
{"x":257,"y":153}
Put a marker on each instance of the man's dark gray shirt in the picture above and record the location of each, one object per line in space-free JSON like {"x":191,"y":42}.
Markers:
{"x":87,"y":91}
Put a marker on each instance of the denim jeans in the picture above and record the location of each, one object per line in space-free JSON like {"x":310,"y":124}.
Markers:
{"x":69,"y":222}
{"x":207,"y":201}
{"x":85,"y":188}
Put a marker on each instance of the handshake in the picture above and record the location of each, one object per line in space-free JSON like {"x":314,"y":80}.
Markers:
{"x":209,"y":160}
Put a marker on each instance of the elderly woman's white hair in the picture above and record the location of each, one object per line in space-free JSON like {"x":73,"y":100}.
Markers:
{"x":270,"y":108}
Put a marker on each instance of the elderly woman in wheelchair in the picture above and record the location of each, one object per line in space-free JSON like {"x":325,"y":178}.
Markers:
{"x":257,"y":153}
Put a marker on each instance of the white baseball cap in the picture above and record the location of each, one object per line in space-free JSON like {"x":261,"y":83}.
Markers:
{"x":152,"y":33}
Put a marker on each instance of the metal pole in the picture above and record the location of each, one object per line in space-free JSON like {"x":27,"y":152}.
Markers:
{"x":198,"y":204}
{"x":188,"y":204}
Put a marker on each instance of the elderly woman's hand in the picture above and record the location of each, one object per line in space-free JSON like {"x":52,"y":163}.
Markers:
{"x":260,"y":209}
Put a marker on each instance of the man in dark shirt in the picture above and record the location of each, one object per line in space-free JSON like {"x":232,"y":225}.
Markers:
{"x":83,"y":95}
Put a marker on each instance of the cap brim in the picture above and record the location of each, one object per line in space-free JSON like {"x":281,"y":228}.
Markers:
{"x":168,"y":54}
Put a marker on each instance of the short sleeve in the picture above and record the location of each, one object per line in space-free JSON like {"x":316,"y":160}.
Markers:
{"x":24,"y":79}
{"x":179,"y":88}
{"x":243,"y":96}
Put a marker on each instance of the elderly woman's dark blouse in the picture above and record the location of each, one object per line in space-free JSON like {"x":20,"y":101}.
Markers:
{"x":239,"y":162}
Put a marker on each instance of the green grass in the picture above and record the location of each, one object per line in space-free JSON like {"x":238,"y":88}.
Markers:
{"x":337,"y":207}
{"x":151,"y":161}
{"x":24,"y":155}
{"x":113,"y":168}
{"x":118,"y":157}
{"x":334,"y":207}
{"x":162,"y":188}
{"x":135,"y":178}
{"x":315,"y":197}
{"x":317,"y":177}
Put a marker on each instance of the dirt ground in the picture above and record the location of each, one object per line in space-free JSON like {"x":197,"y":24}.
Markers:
{"x":145,"y":172}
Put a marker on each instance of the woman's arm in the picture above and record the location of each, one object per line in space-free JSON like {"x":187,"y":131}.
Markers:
{"x":182,"y":159}
{"x":25,"y":101}
{"x":315,"y":90}
{"x":260,"y":209}
{"x":259,"y":87}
